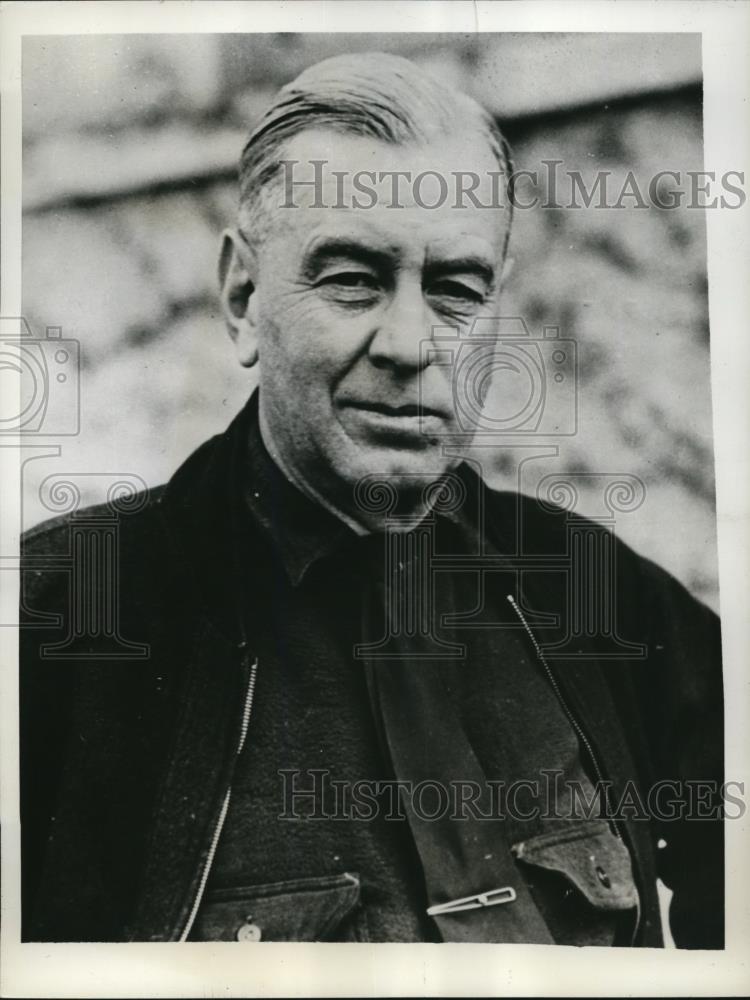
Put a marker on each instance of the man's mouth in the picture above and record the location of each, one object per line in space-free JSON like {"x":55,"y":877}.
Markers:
{"x":403,"y":410}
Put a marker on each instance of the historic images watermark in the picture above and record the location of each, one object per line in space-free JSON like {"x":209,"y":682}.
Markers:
{"x":506,"y":378}
{"x":47,"y":369}
{"x":314,"y":794}
{"x":550,"y":187}
{"x":45,"y":406}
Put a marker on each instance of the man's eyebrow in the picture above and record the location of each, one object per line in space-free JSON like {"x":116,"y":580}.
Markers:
{"x":468,"y":264}
{"x":336,"y":247}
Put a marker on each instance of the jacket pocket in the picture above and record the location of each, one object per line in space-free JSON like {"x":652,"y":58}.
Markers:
{"x":308,"y":909}
{"x":582,"y":879}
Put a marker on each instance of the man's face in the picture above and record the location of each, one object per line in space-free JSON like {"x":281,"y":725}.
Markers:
{"x":347,"y":298}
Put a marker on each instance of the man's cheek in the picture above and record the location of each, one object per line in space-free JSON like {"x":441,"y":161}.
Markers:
{"x":328,"y":352}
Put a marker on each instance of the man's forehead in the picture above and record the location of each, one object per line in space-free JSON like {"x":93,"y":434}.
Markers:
{"x":437,"y":193}
{"x":464,"y":151}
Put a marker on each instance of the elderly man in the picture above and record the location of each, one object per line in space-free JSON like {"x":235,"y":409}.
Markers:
{"x":362,"y":716}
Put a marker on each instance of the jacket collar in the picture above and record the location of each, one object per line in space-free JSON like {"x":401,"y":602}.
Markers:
{"x":209,"y":533}
{"x":301,"y":531}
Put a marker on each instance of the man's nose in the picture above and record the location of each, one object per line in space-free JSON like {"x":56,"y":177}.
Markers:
{"x":401,"y":331}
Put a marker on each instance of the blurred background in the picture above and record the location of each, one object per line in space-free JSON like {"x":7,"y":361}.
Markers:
{"x":130,"y":150}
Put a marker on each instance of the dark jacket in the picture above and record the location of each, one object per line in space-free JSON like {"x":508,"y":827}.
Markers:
{"x":133,"y":688}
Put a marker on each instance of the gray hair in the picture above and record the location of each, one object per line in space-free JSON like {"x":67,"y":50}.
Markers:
{"x":370,"y":94}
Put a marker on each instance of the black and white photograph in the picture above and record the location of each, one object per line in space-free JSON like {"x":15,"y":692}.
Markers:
{"x":373,"y":586}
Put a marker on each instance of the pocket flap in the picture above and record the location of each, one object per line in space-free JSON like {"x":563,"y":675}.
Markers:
{"x":308,"y":909}
{"x":590,"y":856}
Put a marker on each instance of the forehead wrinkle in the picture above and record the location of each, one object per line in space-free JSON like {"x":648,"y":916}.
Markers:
{"x":463,"y":246}
{"x":347,"y":240}
{"x":353,"y":226}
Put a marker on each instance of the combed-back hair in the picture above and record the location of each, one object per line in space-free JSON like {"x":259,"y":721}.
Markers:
{"x":373,"y":94}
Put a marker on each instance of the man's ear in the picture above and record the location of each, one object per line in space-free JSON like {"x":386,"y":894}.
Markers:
{"x":237,"y":276}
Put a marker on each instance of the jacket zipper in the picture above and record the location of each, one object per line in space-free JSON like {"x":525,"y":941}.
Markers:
{"x":568,"y":712}
{"x":247,"y":709}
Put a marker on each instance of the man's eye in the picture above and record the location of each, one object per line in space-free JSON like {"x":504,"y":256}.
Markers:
{"x":350,"y":288}
{"x":350,"y":279}
{"x":456,"y":292}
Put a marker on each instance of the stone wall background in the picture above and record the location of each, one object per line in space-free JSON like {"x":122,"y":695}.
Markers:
{"x":130,"y":150}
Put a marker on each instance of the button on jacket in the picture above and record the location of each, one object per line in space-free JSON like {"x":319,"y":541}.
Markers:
{"x":127,"y":760}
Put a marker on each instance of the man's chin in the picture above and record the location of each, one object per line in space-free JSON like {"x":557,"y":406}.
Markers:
{"x":404,"y":471}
